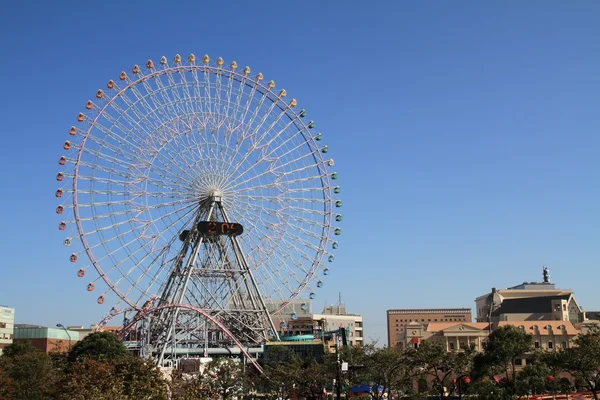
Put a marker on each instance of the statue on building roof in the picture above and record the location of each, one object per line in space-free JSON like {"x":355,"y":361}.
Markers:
{"x":546,"y":273}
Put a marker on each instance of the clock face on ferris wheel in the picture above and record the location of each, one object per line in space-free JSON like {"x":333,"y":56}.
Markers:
{"x":153,"y":143}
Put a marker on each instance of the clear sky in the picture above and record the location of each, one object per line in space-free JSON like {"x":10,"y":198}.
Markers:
{"x":466,"y":135}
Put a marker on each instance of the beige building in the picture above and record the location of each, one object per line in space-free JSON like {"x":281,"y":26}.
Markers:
{"x":455,"y":336}
{"x":7,"y":326}
{"x":398,"y":319}
{"x":529,"y":301}
{"x":547,"y":335}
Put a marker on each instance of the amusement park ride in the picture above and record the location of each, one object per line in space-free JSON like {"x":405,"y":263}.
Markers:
{"x":193,"y":192}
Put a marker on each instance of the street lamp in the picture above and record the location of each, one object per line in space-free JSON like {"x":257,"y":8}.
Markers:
{"x":67,"y":332}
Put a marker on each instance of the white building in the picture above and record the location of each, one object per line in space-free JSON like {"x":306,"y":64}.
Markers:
{"x":335,"y":317}
{"x":7,"y":326}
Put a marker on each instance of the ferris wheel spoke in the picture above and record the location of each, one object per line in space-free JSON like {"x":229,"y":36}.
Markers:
{"x":265,"y":148}
{"x":258,"y":220}
{"x":151,"y":264}
{"x":257,"y":144}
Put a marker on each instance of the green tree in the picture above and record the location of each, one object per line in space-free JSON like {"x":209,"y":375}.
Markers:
{"x":32,"y":374}
{"x":98,"y":346}
{"x":388,"y":368}
{"x":7,"y":390}
{"x":582,"y":360}
{"x":505,"y":345}
{"x":446,"y":369}
{"x":119,"y":378}
{"x":18,"y":348}
{"x":297,"y":377}
{"x":223,"y":377}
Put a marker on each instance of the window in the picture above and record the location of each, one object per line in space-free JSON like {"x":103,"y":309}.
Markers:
{"x":519,"y":361}
{"x":2,"y":324}
{"x":451,"y":346}
{"x":564,"y":345}
{"x":428,"y":320}
{"x":536,"y":344}
{"x":564,"y":307}
{"x":550,"y":345}
{"x":435,"y":320}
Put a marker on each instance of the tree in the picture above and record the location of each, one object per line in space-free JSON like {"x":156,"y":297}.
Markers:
{"x":388,"y":368}
{"x":7,"y":390}
{"x":98,"y":346}
{"x":446,"y":369}
{"x":18,"y":348}
{"x":533,"y":379}
{"x":223,"y":377}
{"x":32,"y":374}
{"x":120,"y":378}
{"x":582,"y":360}
{"x":505,"y":344}
{"x":297,"y":377}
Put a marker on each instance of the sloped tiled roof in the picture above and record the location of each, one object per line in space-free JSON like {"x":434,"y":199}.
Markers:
{"x":556,"y":326}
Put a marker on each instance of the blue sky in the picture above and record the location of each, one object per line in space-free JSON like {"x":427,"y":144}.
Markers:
{"x":465,"y":135}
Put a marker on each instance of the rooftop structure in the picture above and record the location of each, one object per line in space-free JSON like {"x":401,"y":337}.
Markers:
{"x":529,"y":301}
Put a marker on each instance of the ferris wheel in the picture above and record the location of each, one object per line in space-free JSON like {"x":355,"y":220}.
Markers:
{"x":192,"y":186}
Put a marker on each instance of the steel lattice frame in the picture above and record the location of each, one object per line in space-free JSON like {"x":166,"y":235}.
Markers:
{"x":145,"y":160}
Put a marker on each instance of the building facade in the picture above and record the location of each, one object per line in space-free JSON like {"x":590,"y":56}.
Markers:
{"x":335,"y":317}
{"x":455,"y":336}
{"x":398,"y":319}
{"x":7,"y":324}
{"x":529,"y":301}
{"x":46,"y":339}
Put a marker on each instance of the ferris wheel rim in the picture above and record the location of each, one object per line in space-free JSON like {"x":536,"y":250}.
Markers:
{"x":320,"y":164}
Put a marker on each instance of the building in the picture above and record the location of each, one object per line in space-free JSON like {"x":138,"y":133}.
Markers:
{"x":297,"y":308}
{"x":83,"y":331}
{"x":398,"y":319}
{"x":46,"y":339}
{"x":297,"y":319}
{"x":7,"y":323}
{"x":547,"y":335}
{"x":529,"y":301}
{"x":453,"y":335}
{"x":593,"y":315}
{"x":335,"y":317}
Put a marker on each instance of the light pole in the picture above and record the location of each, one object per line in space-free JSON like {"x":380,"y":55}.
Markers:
{"x":67,"y":332}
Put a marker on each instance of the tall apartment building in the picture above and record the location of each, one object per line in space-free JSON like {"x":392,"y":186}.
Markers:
{"x":7,"y":326}
{"x":529,"y":301}
{"x":398,"y":319}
